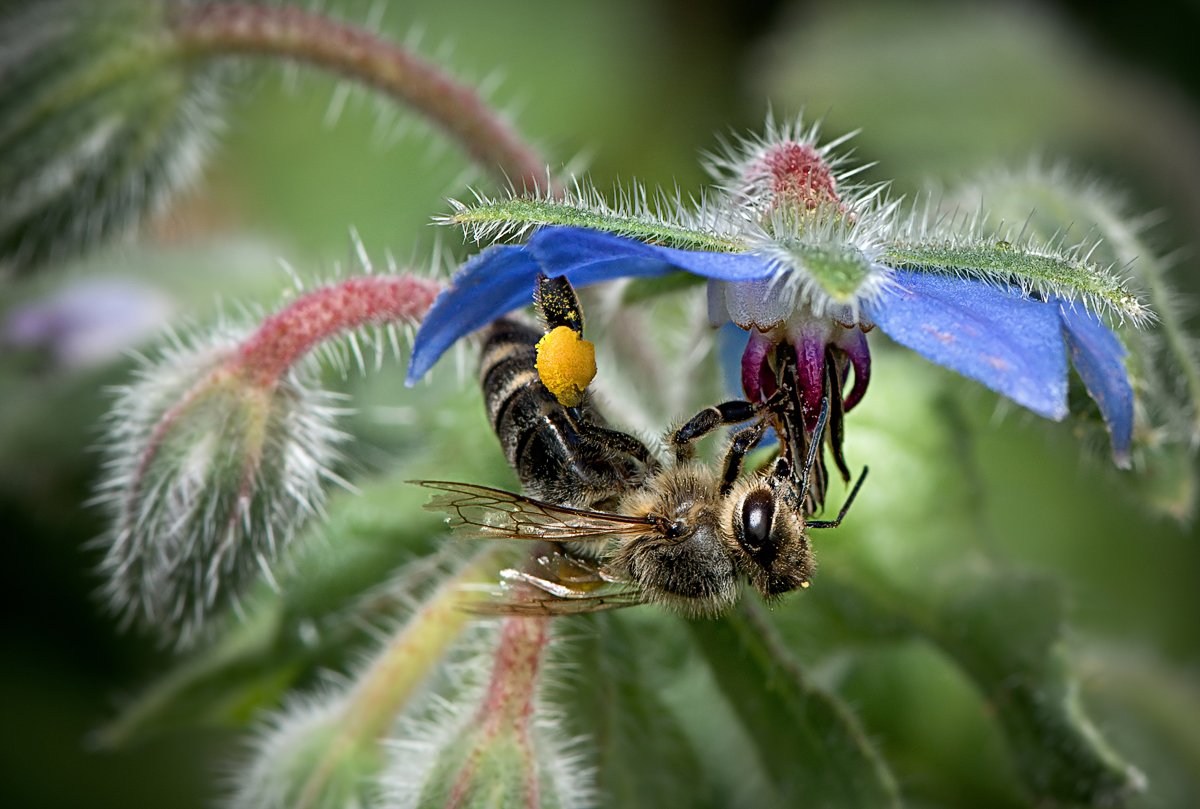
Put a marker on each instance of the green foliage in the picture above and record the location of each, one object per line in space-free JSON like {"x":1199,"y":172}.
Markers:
{"x":809,"y":743}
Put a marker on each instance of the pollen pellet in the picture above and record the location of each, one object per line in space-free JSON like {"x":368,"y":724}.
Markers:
{"x":566,"y":364}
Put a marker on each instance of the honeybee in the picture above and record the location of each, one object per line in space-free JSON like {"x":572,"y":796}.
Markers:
{"x":619,"y":526}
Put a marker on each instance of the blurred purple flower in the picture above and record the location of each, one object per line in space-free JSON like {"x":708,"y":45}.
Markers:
{"x":87,"y":322}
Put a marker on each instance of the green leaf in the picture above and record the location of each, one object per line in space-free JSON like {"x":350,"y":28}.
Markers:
{"x":916,"y":562}
{"x":813,"y":749}
{"x":642,"y":757}
{"x":1004,"y":630}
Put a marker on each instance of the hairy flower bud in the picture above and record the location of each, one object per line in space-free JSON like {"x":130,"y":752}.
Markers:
{"x":100,"y":120}
{"x":791,"y":177}
{"x":217,"y":454}
{"x":502,"y":753}
{"x":209,"y":473}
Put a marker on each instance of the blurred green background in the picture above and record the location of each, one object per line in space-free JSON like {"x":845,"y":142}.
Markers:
{"x":638,"y":89}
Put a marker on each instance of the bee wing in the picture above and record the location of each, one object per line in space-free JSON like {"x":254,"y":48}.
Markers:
{"x":553,"y":605}
{"x":488,"y":512}
{"x":556,"y":583}
{"x":559,"y":585}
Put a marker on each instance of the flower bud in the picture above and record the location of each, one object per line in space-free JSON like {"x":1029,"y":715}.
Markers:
{"x":293,"y":748}
{"x":792,"y":178}
{"x":209,"y":473}
{"x":326,"y":750}
{"x":100,"y":121}
{"x":504,"y":752}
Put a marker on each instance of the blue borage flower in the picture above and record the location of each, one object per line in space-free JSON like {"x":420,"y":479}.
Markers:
{"x":797,"y":258}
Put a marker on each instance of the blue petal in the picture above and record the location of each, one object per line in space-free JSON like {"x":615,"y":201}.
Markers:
{"x":1099,"y":358}
{"x":586,"y":256}
{"x":492,"y":283}
{"x":996,"y":336}
{"x":501,"y":279}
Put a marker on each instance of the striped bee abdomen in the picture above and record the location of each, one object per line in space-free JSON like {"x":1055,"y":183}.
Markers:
{"x":553,"y":455}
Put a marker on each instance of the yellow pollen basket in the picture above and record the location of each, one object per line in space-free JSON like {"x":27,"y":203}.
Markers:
{"x":566,"y":364}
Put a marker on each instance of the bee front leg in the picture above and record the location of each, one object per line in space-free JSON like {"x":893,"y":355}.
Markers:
{"x":744,"y":441}
{"x":683,"y":440}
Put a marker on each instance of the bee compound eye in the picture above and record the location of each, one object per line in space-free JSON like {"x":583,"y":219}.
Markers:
{"x":758,"y":512}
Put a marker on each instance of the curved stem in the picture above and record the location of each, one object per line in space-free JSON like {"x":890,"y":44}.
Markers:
{"x":286,"y":336}
{"x":295,"y":33}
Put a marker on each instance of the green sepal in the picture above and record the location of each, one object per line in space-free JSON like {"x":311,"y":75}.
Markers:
{"x":842,"y":271}
{"x":1003,"y":262}
{"x":489,"y":220}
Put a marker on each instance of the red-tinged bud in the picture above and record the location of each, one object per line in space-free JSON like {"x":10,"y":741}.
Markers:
{"x":503,"y":753}
{"x":219,"y":452}
{"x":791,"y":178}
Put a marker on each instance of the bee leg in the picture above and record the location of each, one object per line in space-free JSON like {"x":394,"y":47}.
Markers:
{"x":845,"y":506}
{"x":743,"y":442}
{"x":812,"y":465}
{"x":554,"y":588}
{"x":684,"y":439}
{"x":614,"y":439}
{"x":557,"y":304}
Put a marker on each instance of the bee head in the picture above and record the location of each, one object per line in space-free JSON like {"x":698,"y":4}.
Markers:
{"x":769,"y":541}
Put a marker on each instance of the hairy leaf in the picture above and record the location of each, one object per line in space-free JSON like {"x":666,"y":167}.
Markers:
{"x":813,"y":749}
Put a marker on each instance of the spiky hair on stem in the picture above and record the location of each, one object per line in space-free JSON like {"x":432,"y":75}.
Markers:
{"x":968,"y":244}
{"x":659,"y":217}
{"x":207,"y":476}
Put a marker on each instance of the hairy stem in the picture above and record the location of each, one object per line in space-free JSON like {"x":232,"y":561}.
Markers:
{"x":265,"y":30}
{"x":289,"y":334}
{"x":391,"y":681}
